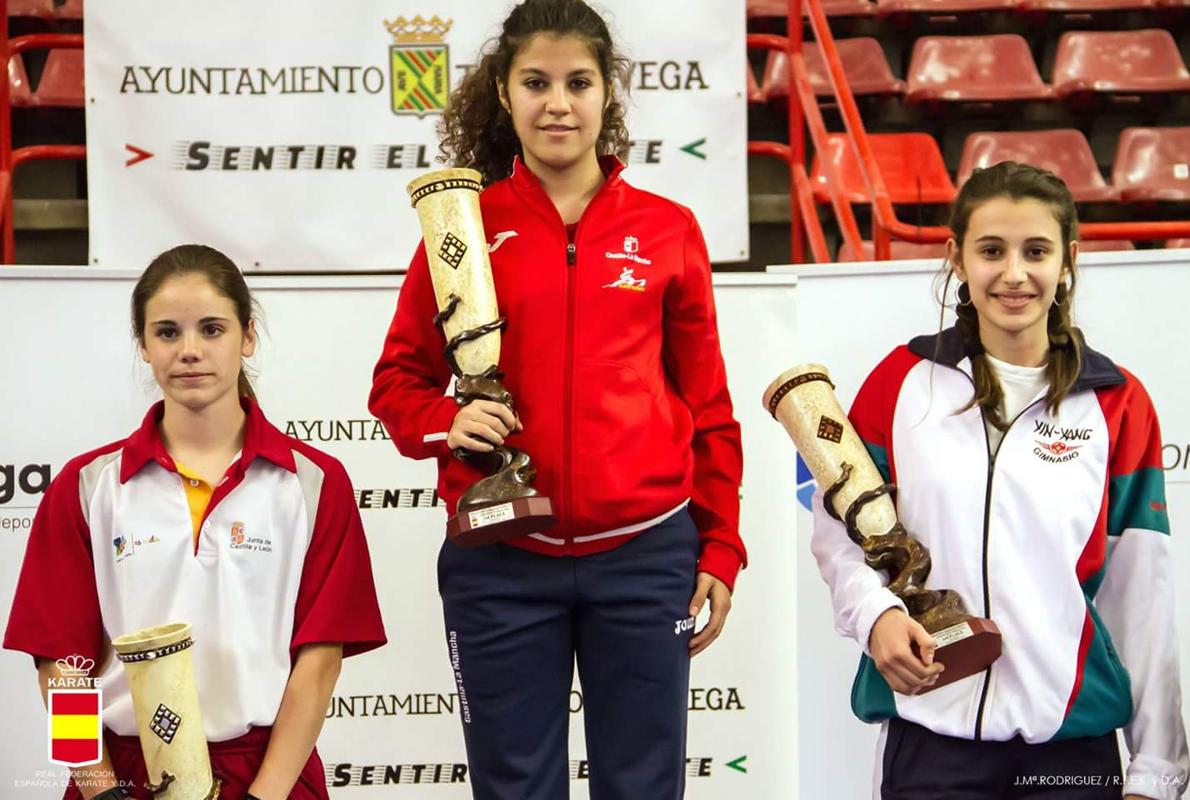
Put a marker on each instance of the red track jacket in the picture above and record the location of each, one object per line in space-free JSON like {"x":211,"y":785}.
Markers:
{"x":612,"y":357}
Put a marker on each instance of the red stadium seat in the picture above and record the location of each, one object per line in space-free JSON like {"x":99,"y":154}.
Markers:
{"x":19,"y":93}
{"x":910,"y":164}
{"x":31,"y":8}
{"x":848,"y":8}
{"x":974,"y":69}
{"x":1153,"y":164}
{"x":46,"y":9}
{"x":864,"y":65}
{"x":61,"y":81}
{"x":71,"y":9}
{"x":833,"y":8}
{"x":1075,"y":6}
{"x":933,"y":7}
{"x":1065,"y":153}
{"x":1119,"y":62}
{"x":899,"y":251}
{"x":1104,"y":245}
{"x":767,"y":8}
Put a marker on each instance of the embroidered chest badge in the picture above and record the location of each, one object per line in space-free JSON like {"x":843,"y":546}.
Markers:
{"x":123,"y":547}
{"x":500,"y":239}
{"x":240,"y":540}
{"x":630,"y":253}
{"x":627,"y":281}
{"x":1061,"y":450}
{"x":1056,"y":452}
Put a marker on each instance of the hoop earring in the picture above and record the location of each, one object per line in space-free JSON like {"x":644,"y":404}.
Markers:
{"x":964,"y":295}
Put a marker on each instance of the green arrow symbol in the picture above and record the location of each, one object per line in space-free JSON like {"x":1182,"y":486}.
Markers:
{"x":692,"y":149}
{"x":738,"y":764}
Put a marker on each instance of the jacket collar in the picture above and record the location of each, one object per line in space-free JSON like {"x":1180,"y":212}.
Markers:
{"x":950,"y":348}
{"x":261,"y":439}
{"x":523,"y":179}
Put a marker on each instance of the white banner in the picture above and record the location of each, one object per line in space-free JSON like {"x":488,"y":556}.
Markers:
{"x":284,"y":132}
{"x":1130,"y":305}
{"x":71,"y":380}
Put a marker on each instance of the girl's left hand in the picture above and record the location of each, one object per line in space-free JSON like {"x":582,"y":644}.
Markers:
{"x":720,"y":596}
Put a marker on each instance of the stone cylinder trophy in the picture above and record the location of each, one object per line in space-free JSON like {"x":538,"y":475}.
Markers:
{"x":504,"y":504}
{"x":803,"y":400}
{"x":165,"y":699}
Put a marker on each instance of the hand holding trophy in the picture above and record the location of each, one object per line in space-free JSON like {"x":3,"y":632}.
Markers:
{"x":505,"y":504}
{"x":802,"y":399}
{"x":165,"y":698}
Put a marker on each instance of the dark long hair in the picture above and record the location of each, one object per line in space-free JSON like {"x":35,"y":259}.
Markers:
{"x":1019,"y":182}
{"x":477,"y":131}
{"x":189,"y":259}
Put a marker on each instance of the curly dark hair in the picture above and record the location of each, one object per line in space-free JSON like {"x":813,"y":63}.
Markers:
{"x":476,"y":131}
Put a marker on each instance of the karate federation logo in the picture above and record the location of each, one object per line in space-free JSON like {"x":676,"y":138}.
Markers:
{"x":420,"y":63}
{"x":75,"y":715}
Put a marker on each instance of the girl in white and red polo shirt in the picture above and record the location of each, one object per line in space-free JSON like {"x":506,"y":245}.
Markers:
{"x":210,"y":515}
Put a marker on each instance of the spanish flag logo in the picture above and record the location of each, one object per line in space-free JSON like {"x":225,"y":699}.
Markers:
{"x":75,"y":724}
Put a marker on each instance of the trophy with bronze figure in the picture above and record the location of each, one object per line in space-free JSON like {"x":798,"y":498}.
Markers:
{"x":165,"y":699}
{"x":504,"y":504}
{"x":803,"y":400}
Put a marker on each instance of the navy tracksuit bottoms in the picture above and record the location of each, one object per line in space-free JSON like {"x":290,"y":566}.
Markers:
{"x":517,"y":622}
{"x":919,"y":764}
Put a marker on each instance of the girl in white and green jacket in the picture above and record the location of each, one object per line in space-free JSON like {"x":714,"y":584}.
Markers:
{"x":1030,"y":466}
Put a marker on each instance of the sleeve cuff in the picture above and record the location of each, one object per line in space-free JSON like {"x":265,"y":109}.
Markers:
{"x":352,"y":646}
{"x":720,"y":560}
{"x":438,"y":426}
{"x":1154,"y":778}
{"x":871,"y":610}
{"x":49,"y":651}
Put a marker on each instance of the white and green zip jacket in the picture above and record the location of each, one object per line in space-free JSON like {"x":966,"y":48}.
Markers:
{"x":1060,"y":535}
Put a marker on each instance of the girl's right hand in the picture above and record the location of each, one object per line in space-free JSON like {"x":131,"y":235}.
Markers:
{"x":481,"y":426}
{"x":892,"y":640}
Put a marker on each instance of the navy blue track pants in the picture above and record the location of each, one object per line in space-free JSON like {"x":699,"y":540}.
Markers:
{"x":919,"y":764}
{"x":516,"y":623}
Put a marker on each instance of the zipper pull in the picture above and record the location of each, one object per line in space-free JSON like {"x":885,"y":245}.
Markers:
{"x":571,"y":253}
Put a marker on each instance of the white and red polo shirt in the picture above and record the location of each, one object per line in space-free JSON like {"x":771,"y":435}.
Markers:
{"x":280,"y":561}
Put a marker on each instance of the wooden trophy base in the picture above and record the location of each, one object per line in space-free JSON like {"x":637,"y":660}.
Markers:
{"x":966,"y":649}
{"x":500,"y":522}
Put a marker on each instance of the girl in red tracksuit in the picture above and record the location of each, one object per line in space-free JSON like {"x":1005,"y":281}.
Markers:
{"x":612,"y":355}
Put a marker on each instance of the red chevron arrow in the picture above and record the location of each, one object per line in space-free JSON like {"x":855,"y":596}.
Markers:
{"x":138,"y":155}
